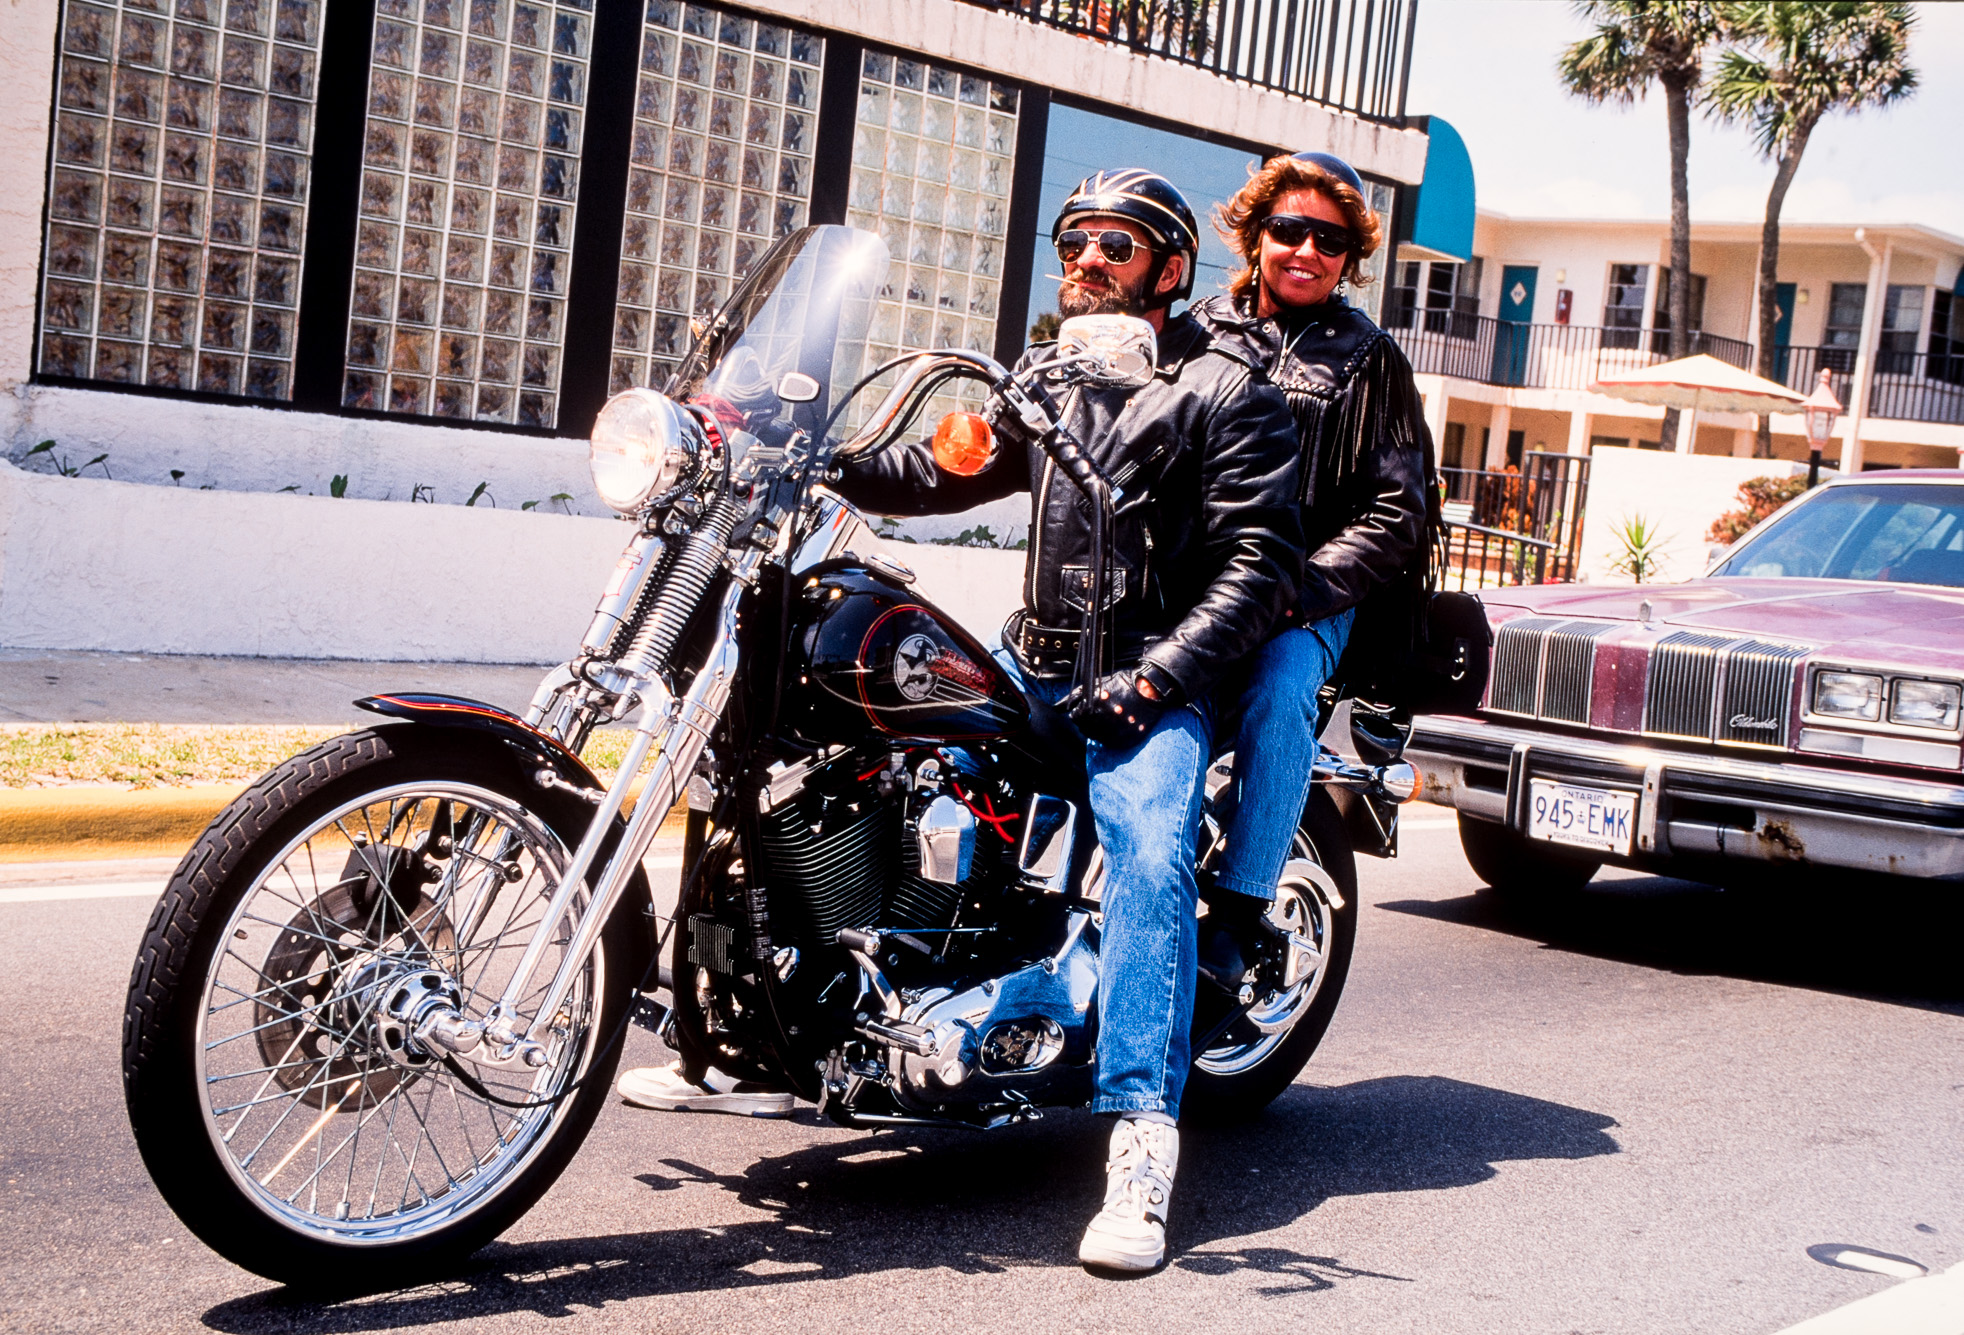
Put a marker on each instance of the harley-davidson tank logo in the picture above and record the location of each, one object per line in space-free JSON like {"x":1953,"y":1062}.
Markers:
{"x":919,"y":662}
{"x":912,"y":670}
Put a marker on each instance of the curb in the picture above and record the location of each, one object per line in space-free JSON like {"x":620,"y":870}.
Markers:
{"x":89,"y":822}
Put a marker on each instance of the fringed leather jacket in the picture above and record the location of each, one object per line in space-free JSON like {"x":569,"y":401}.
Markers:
{"x":1209,"y":525}
{"x":1365,"y":446}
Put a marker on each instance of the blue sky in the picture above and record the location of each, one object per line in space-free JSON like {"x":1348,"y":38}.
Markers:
{"x":1081,"y":142}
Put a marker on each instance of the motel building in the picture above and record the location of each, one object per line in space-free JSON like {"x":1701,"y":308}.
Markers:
{"x":1508,"y":324}
{"x":260,"y":244}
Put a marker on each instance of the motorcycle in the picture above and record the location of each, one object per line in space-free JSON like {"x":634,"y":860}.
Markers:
{"x":382,"y":1000}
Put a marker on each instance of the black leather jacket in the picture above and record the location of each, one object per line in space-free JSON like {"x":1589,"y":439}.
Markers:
{"x":1363,"y":435}
{"x":1208,"y":540}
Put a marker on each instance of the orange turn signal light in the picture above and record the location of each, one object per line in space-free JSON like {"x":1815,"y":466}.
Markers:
{"x":963,"y":444}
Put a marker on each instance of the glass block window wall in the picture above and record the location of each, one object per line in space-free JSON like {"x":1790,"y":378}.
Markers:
{"x":469,"y":177}
{"x":725,"y":123}
{"x":178,"y":195}
{"x":931,"y":169}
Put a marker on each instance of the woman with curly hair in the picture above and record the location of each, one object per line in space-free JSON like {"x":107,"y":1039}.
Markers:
{"x":1303,"y":227}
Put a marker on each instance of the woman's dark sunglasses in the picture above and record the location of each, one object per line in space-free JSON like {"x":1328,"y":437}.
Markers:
{"x":1115,"y":246}
{"x":1292,"y":229}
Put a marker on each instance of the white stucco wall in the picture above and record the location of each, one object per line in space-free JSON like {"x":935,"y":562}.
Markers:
{"x":89,"y":564}
{"x":1680,"y":494}
{"x":27,"y":44}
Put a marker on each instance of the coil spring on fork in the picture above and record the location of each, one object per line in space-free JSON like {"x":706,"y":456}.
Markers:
{"x":679,"y":588}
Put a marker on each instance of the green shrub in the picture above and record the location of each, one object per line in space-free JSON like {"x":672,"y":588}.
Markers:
{"x":1758,"y":498}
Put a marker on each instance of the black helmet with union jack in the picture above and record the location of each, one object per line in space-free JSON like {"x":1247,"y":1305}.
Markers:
{"x":1151,"y":201}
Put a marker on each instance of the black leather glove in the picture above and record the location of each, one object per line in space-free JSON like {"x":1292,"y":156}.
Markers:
{"x":1120,"y":714}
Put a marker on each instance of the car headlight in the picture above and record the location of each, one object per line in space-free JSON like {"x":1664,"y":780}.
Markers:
{"x":1855,"y":695}
{"x":644,"y":447}
{"x":1926,"y":704}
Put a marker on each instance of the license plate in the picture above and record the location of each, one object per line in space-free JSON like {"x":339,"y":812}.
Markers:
{"x":1563,"y":813}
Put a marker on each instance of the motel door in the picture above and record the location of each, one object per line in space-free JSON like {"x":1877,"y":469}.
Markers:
{"x":1783,"y":328}
{"x":1510,"y":335}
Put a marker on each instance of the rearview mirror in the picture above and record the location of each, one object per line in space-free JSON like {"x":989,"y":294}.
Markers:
{"x":1119,"y":350}
{"x":797,"y":387}
{"x":963,"y":444}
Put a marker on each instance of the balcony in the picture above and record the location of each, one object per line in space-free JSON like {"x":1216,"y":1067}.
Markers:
{"x":1349,"y":54}
{"x":1535,"y":356}
{"x":1906,"y":386}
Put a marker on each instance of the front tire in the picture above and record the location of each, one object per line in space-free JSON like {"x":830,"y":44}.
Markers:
{"x":1247,"y":1067}
{"x":283,"y":1113}
{"x":1519,"y":868}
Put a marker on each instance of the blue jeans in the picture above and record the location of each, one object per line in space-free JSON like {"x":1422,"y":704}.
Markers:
{"x":1145,"y":802}
{"x":1274,"y":750}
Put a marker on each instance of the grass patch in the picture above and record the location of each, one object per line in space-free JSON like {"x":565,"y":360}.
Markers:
{"x":165,"y":755}
{"x":145,"y":755}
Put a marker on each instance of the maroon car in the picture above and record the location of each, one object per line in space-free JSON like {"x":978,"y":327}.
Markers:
{"x":1803,"y":703}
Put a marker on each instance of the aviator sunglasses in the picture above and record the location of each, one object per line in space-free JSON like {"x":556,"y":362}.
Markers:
{"x":1117,"y":247}
{"x":1292,"y":229}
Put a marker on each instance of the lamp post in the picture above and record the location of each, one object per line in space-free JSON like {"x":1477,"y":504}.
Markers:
{"x":1820,"y":410}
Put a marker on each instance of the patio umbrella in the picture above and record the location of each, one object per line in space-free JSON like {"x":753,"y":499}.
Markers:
{"x":1700,"y":384}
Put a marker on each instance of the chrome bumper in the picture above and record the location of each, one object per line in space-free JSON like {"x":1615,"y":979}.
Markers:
{"x":1695,"y":805}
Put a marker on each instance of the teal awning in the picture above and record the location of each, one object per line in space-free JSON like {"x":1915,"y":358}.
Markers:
{"x":1442,"y":220}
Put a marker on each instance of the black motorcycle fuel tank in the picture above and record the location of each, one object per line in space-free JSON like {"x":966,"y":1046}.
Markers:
{"x":872,"y":659}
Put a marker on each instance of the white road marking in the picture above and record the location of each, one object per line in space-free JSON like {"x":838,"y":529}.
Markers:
{"x":38,"y":894}
{"x":1933,"y":1306}
{"x":31,"y":894}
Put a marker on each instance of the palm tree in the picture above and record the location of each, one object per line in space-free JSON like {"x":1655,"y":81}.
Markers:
{"x":1637,"y":43}
{"x":1790,"y":65}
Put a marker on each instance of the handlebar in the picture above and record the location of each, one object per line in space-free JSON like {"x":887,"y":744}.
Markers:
{"x":924,"y":373}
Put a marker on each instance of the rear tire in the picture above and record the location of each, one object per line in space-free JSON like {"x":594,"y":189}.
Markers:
{"x":1237,"y":1077}
{"x":1520,"y":868}
{"x":255,"y":1011}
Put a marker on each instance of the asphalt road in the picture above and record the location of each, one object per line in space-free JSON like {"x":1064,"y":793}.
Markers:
{"x":1635,"y":1112}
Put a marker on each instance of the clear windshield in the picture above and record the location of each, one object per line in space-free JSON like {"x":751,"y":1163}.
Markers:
{"x":1901,"y":533}
{"x":805,"y":308}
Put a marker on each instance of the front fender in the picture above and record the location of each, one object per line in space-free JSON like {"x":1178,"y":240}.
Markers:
{"x":456,"y":711}
{"x":538,"y":752}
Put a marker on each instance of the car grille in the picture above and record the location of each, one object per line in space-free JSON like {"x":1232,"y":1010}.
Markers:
{"x":1698,"y":686}
{"x":1543,"y":668}
{"x":1517,"y":665}
{"x":1720,"y":688}
{"x":1759,"y":687}
{"x":1678,"y":693}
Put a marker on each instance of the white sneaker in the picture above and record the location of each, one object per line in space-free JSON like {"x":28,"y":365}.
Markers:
{"x":664,"y":1089}
{"x":1130,"y":1232}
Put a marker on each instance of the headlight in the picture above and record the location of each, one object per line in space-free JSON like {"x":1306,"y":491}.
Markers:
{"x":1854,"y":695}
{"x":1926,"y":704}
{"x":644,"y":447}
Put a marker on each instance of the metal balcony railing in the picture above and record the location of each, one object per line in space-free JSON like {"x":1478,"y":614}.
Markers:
{"x":1906,"y":386}
{"x":1534,"y":356}
{"x":1350,"y":54}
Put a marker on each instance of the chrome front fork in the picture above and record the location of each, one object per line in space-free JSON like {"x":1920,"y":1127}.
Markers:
{"x":675,"y":730}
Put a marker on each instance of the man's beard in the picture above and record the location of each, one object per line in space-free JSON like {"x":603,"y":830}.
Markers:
{"x":1112,"y":299}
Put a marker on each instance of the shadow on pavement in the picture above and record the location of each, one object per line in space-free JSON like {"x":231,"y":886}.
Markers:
{"x":1881,"y":941}
{"x":911,"y":1200}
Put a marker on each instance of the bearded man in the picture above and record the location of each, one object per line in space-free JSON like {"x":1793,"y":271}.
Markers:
{"x":1207,"y":549}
